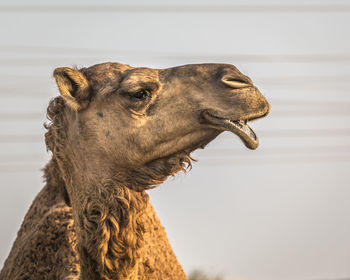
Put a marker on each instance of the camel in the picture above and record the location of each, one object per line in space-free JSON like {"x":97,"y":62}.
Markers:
{"x":116,"y":131}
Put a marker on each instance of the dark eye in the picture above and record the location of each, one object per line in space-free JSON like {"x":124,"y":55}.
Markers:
{"x":142,"y":94}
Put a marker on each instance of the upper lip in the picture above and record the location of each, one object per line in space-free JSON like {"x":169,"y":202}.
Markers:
{"x":247,"y":118}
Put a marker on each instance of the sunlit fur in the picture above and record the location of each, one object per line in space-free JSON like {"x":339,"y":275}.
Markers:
{"x":93,"y":219}
{"x":112,"y":215}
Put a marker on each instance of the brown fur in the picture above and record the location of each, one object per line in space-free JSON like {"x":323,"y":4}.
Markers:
{"x":93,"y":219}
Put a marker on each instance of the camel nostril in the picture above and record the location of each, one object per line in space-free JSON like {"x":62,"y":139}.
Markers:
{"x":235,"y":83}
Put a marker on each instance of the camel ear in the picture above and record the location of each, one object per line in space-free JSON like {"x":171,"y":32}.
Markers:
{"x":73,"y":86}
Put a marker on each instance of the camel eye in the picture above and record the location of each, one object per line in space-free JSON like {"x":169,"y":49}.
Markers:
{"x":142,"y":94}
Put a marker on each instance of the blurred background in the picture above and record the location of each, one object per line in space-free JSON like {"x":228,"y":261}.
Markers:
{"x":281,"y":212}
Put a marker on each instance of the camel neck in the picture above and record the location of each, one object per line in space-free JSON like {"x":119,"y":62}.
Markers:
{"x":109,"y":223}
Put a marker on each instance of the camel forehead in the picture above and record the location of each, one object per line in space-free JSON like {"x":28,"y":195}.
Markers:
{"x":104,"y":73}
{"x":200,"y":69}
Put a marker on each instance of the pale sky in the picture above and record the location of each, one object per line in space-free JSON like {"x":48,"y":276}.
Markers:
{"x":281,"y":212}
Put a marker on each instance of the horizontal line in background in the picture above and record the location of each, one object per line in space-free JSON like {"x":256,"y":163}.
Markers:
{"x":35,"y":138}
{"x":310,"y":112}
{"x":311,"y":8}
{"x":23,"y":158}
{"x":343,"y":104}
{"x":92,"y":53}
{"x":21,"y":116}
{"x":305,"y":132}
{"x":19,"y":169}
{"x":25,"y":92}
{"x":20,"y":49}
{"x":248,"y":58}
{"x":273,"y":151}
{"x":309,"y":79}
{"x":235,"y":160}
{"x":38,"y":61}
{"x":213,"y":153}
{"x":299,"y":159}
{"x":336,"y":132}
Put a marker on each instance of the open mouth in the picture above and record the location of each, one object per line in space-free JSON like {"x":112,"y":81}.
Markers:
{"x":238,"y":127}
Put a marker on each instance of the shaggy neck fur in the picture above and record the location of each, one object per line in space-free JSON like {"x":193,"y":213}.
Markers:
{"x":108,"y":211}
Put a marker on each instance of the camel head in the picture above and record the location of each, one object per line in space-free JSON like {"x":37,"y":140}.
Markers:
{"x":130,"y":117}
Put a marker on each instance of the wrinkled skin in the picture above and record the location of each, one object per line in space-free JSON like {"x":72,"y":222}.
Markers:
{"x":116,"y":131}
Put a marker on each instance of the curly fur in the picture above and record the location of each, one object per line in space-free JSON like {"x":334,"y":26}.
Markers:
{"x":45,"y":247}
{"x":113,"y":222}
{"x":112,"y":214}
{"x":118,"y":233}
